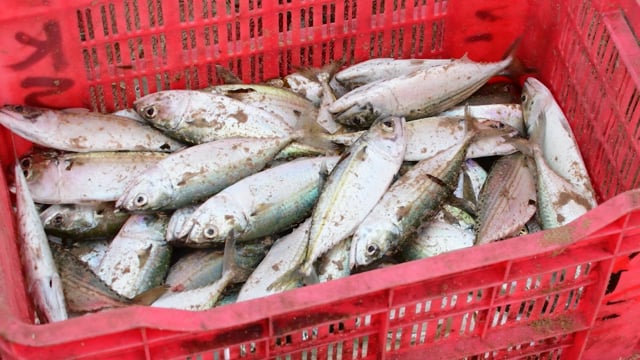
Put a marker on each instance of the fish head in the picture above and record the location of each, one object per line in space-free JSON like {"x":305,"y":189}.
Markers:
{"x":533,"y":98}
{"x":390,"y":130}
{"x":360,"y":116}
{"x":164,"y":109}
{"x":66,"y":217}
{"x":145,"y":195}
{"x":23,"y":112}
{"x":214,"y":223}
{"x":41,"y":173}
{"x":369,"y":243}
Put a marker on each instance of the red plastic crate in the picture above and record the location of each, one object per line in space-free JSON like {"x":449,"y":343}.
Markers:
{"x":568,"y":293}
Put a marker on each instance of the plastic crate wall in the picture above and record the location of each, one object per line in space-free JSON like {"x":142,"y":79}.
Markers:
{"x":534,"y":297}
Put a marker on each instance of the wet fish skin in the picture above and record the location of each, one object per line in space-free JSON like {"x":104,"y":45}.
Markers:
{"x":442,"y":87}
{"x":197,"y":116}
{"x":508,"y":114}
{"x":277,"y":271}
{"x":411,"y":200}
{"x":334,"y":264}
{"x":507,"y":200}
{"x":89,"y":252}
{"x":283,"y":103}
{"x":84,"y":291}
{"x":84,"y":131}
{"x":138,"y":257}
{"x":83,"y":221}
{"x":450,"y":229}
{"x":349,"y":194}
{"x":383,"y":69}
{"x":205,"y":297}
{"x":552,"y":139}
{"x":194,"y":174}
{"x":83,"y":178}
{"x":267,"y":202}
{"x":41,"y":275}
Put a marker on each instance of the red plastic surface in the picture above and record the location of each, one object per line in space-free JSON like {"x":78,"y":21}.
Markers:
{"x":569,"y":293}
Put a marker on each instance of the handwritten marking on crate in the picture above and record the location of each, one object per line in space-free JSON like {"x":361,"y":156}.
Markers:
{"x":50,"y":46}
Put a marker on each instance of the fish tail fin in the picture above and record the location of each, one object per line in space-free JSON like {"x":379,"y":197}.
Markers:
{"x":227,"y":76}
{"x":309,"y":132}
{"x":147,"y":298}
{"x":516,"y":70}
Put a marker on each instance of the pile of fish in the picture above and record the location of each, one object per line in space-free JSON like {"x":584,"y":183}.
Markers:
{"x":197,"y":198}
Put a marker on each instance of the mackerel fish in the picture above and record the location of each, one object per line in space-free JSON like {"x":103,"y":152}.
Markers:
{"x":198,"y":172}
{"x":411,"y":200}
{"x":277,"y":272}
{"x":41,"y":275}
{"x":76,"y":178}
{"x":556,"y":151}
{"x":197,"y":117}
{"x":383,"y":69}
{"x":425,"y":92}
{"x":84,"y":131}
{"x":507,"y":200}
{"x":282,"y":103}
{"x":83,"y":222}
{"x":138,"y":257}
{"x":264,"y":203}
{"x":355,"y":185}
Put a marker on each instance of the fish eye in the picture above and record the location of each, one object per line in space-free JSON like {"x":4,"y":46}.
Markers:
{"x":58,"y":220}
{"x":523,"y":98}
{"x":25,"y":163}
{"x":150,"y":112}
{"x":387,"y":125}
{"x":140,"y":200}
{"x":210,"y":232}
{"x":372,"y":250}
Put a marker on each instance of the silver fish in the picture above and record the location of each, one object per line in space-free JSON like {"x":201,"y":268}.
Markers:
{"x":282,"y":103}
{"x":83,"y":222}
{"x":428,"y":136}
{"x":550,"y":133}
{"x":83,"y":131}
{"x":138,"y":257}
{"x":507,"y":200}
{"x":277,"y":272}
{"x":422,"y":93}
{"x":508,"y":114}
{"x":261,"y":204}
{"x":205,"y":297}
{"x":301,"y":84}
{"x":450,"y":229}
{"x":75,"y":178}
{"x":355,"y":185}
{"x":412,"y":199}
{"x":41,"y":275}
{"x":198,"y":172}
{"x":383,"y":69}
{"x":197,"y":117}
